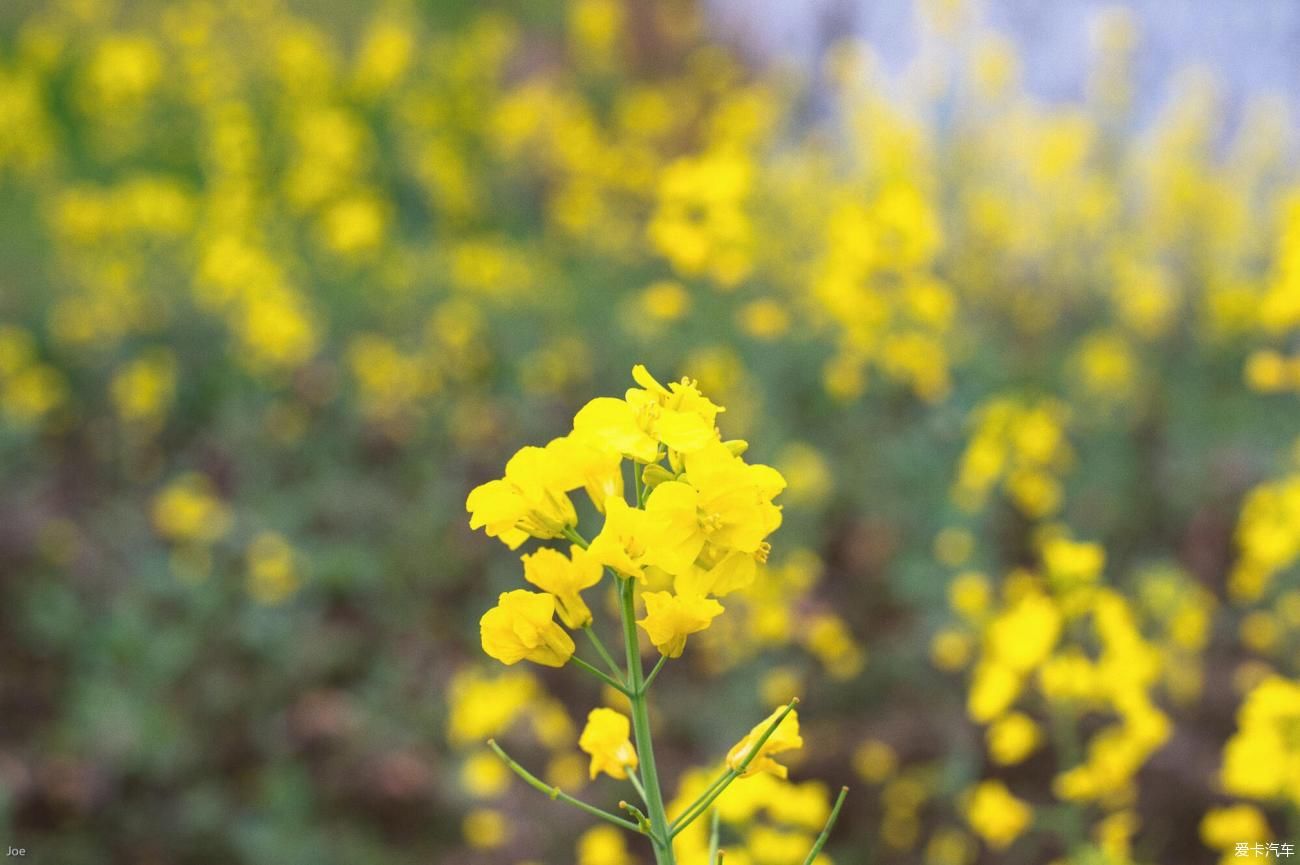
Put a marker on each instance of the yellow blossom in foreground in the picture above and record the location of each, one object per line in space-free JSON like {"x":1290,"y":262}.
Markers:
{"x":670,"y":618}
{"x":678,"y":416}
{"x":587,"y":462}
{"x":614,"y":422}
{"x":996,"y":816}
{"x":784,"y":738}
{"x":622,"y":542}
{"x":735,"y":571}
{"x":564,"y":577}
{"x":520,"y":627}
{"x":606,"y":739}
{"x":530,"y":500}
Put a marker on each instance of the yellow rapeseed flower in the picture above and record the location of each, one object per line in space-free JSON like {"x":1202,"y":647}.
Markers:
{"x":723,"y":501}
{"x":678,"y":416}
{"x":520,"y":627}
{"x":565,"y":577}
{"x":622,"y":543}
{"x":530,"y":500}
{"x":784,"y":738}
{"x":670,"y":618}
{"x":607,"y":739}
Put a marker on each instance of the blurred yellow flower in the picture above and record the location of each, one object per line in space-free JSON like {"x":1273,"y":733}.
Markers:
{"x":665,"y":300}
{"x":1262,"y":759}
{"x":485,"y":828}
{"x":1224,"y":828}
{"x":950,"y":649}
{"x":995,"y":814}
{"x":273,"y":572}
{"x":603,"y":845}
{"x":765,"y":319}
{"x":144,"y":388}
{"x":483,"y":706}
{"x":188,"y":510}
{"x":1012,"y":738}
{"x":874,"y":760}
{"x":484,"y":776}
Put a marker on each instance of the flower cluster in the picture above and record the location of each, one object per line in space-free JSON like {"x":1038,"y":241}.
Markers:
{"x":695,"y":529}
{"x":695,"y":532}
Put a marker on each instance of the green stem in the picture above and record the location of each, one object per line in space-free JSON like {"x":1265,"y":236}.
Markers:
{"x":641,"y":819}
{"x":636,"y":782}
{"x":641,"y":729}
{"x":556,"y":793}
{"x":600,"y":674}
{"x":697,"y":809}
{"x":572,"y":534}
{"x":602,"y":651}
{"x":694,"y":806}
{"x":714,"y":854}
{"x":637,"y":468}
{"x":649,"y":680}
{"x":826,"y":830}
{"x":702,"y":804}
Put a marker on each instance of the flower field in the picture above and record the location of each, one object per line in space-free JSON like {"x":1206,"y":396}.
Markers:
{"x":372,"y":378}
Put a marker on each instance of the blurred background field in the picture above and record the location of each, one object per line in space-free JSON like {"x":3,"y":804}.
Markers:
{"x":280,"y":282}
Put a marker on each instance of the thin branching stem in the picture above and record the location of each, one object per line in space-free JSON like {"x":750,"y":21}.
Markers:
{"x":602,"y":675}
{"x":572,"y":534}
{"x":636,"y":781}
{"x":703,"y":803}
{"x":649,"y":680}
{"x":556,"y":793}
{"x":721,"y":779}
{"x":654,"y":802}
{"x":605,"y":656}
{"x":826,"y":830}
